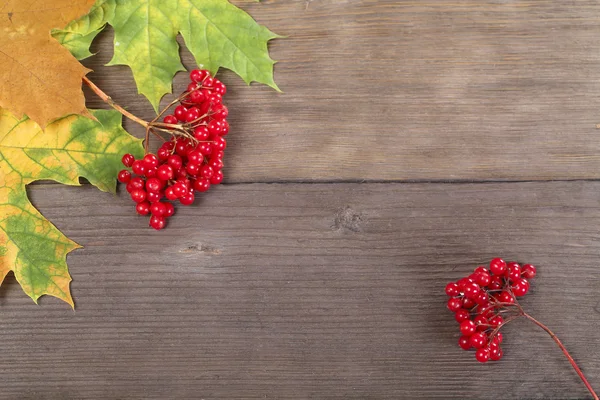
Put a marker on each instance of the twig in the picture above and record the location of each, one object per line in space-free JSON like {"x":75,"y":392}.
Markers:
{"x":107,"y":99}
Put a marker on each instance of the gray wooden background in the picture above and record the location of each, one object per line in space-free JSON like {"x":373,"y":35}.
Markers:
{"x":414,"y":140}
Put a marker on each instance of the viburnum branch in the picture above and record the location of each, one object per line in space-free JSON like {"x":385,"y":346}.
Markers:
{"x":565,"y":352}
{"x":108,"y":100}
{"x":479,"y":302}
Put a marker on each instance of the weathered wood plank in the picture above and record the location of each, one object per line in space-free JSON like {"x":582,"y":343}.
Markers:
{"x":306,"y":291}
{"x":394,"y":90}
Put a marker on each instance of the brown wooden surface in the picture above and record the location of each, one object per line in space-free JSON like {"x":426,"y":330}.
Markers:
{"x":335,"y":290}
{"x":306,"y":291}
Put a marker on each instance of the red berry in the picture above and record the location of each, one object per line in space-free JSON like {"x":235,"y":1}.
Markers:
{"x":528,"y":271}
{"x":197,"y":97}
{"x":154,"y":185}
{"x":482,"y":278}
{"x":180,"y":112}
{"x":182,"y":148}
{"x":124,"y":176}
{"x":496,"y":321}
{"x":498,"y":266}
{"x":175,"y":161}
{"x":468,"y":327}
{"x":513,"y":271}
{"x":496,"y":283}
{"x":482,"y":355}
{"x":215,"y":99}
{"x":169,"y":209}
{"x":137,"y":183}
{"x":216,"y":164}
{"x":468,"y":303}
{"x":157,"y":222}
{"x":478,"y":340}
{"x":158,"y":209}
{"x":454,"y":303}
{"x":482,"y":298}
{"x":128,"y":160}
{"x":461,"y":315}
{"x":170,"y":193}
{"x":170,"y":119}
{"x":217,"y":178}
{"x":198,"y":75}
{"x":192,"y":168}
{"x":138,"y":195}
{"x":192,"y":114}
{"x":165,"y":172}
{"x":220,"y":113}
{"x":153,"y":197}
{"x":464,"y":342}
{"x":187,"y":198}
{"x":201,"y":133}
{"x":471,"y":290}
{"x":207,"y":172}
{"x":219,"y":144}
{"x":205,"y":148}
{"x":139,"y":167}
{"x":203,"y":184}
{"x":195,"y":157}
{"x":495,"y":353}
{"x":520,"y":287}
{"x":215,"y":127}
{"x":208,"y":81}
{"x":481,"y":322}
{"x":151,"y":161}
{"x":163,"y":154}
{"x":219,"y":87}
{"x":143,"y":208}
{"x":224,"y":128}
{"x":506,"y":297}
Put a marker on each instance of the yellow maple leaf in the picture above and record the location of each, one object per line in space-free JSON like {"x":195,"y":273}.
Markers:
{"x":40,"y":78}
{"x":70,"y":147}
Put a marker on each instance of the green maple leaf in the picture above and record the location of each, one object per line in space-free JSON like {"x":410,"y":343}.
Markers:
{"x":217,"y":33}
{"x":67,"y":149}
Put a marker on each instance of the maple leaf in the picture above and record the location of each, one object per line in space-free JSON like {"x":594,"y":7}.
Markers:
{"x":68,"y":148}
{"x":217,"y":33}
{"x":40,"y":78}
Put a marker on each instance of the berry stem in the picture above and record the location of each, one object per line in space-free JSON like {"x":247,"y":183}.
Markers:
{"x":108,"y":100}
{"x":566,"y":353}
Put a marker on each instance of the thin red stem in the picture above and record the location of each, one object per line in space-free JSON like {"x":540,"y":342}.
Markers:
{"x":566,"y":353}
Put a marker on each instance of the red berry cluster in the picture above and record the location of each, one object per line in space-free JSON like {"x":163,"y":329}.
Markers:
{"x":191,"y":161}
{"x":478,"y":300}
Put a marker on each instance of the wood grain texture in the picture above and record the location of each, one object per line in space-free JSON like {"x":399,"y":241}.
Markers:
{"x":410,"y":90}
{"x":306,"y":291}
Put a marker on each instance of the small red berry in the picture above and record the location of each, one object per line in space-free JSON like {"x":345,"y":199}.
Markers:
{"x":201,"y":133}
{"x":128,"y":160}
{"x":139,"y":167}
{"x":468,"y":327}
{"x":203,"y":184}
{"x":165,"y":172}
{"x":482,"y":355}
{"x":138,"y":195}
{"x":175,"y":161}
{"x":169,"y":209}
{"x":461,"y":315}
{"x":143,"y":208}
{"x":528,"y":271}
{"x":454,"y":303}
{"x":478,"y":340}
{"x":187,"y":198}
{"x":158,"y":209}
{"x":170,"y":119}
{"x":495,"y":353}
{"x":157,"y":222}
{"x":498,"y":266}
{"x":124,"y":176}
{"x":180,"y":112}
{"x":464,"y":342}
{"x":506,"y":297}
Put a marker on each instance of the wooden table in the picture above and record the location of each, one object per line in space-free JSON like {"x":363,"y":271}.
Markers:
{"x":414,"y":140}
